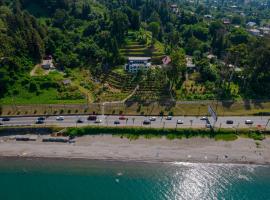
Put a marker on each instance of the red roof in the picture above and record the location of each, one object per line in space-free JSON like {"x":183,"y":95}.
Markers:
{"x":166,"y":60}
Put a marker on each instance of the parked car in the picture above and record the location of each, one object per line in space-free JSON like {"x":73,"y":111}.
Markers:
{"x":204,"y":118}
{"x":229,"y":122}
{"x":249,"y":122}
{"x":152,"y":119}
{"x":5,"y":119}
{"x":39,"y":121}
{"x":146,"y":122}
{"x":60,"y":118}
{"x":92,"y":118}
{"x":122,"y":118}
{"x":79,"y":121}
{"x":98,"y":121}
{"x":169,"y":118}
{"x":179,"y":121}
{"x":116,"y":122}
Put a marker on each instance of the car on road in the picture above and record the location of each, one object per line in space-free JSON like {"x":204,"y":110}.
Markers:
{"x":204,"y":118}
{"x":208,"y":125}
{"x":79,"y":121}
{"x":229,"y":122}
{"x":98,"y":121}
{"x":41,"y":118}
{"x":116,"y":122}
{"x":1,"y":124}
{"x":179,"y":121}
{"x":92,"y":118}
{"x":152,"y":119}
{"x":146,"y":122}
{"x":249,"y":122}
{"x":6,"y":119}
{"x":122,"y":118}
{"x":169,"y":118}
{"x":60,"y":118}
{"x":38,"y":121}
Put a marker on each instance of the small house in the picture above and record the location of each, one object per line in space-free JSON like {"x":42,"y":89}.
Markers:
{"x":47,"y":63}
{"x":166,"y":60}
{"x":174,"y":8}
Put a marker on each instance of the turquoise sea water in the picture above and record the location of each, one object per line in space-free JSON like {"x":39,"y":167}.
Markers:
{"x":38,"y":179}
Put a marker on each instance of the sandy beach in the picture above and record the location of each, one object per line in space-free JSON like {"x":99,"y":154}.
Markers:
{"x":107,"y":147}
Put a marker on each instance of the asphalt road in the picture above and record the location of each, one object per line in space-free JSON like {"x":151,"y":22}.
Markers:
{"x":137,"y":121}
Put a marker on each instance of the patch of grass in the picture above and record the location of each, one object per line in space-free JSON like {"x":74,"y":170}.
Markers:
{"x":256,"y":136}
{"x":226,"y":137}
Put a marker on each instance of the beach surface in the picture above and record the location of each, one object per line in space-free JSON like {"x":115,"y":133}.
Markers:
{"x":108,"y":147}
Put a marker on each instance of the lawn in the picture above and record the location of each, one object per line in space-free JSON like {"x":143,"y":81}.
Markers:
{"x":45,"y":97}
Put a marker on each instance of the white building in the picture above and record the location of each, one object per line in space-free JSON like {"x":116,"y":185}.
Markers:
{"x":254,"y":32}
{"x":138,"y":63}
{"x":47,"y":63}
{"x":175,"y":8}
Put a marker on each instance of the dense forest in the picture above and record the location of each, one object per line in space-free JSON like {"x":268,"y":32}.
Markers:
{"x":89,"y":34}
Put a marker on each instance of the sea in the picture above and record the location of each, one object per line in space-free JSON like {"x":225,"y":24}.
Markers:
{"x":64,"y":179}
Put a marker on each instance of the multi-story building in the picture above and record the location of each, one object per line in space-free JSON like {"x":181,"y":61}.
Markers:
{"x":138,"y":63}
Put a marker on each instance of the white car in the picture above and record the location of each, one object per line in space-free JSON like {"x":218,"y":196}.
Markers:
{"x":179,"y":121}
{"x":60,"y":118}
{"x":169,"y":118}
{"x":98,"y":121}
{"x":204,"y":118}
{"x":152,"y":118}
{"x":249,"y":121}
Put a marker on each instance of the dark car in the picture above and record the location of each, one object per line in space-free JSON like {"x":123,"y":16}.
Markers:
{"x":169,"y":118}
{"x":116,"y":122}
{"x":39,"y":121}
{"x":92,"y":118}
{"x":229,"y":122}
{"x":41,"y":118}
{"x":5,"y":119}
{"x":80,"y":121}
{"x":146,"y":122}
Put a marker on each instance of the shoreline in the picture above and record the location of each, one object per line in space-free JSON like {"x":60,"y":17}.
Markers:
{"x":45,"y":158}
{"x":155,"y":150}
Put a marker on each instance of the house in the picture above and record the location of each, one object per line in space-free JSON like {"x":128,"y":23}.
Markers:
{"x":190,"y":65}
{"x":211,"y":56}
{"x":265,"y":30}
{"x":47,"y":63}
{"x":208,"y":16}
{"x":226,"y":22}
{"x":254,"y":32}
{"x":174,"y":8}
{"x":251,"y":24}
{"x":66,"y":81}
{"x":166,"y":60}
{"x":138,"y":63}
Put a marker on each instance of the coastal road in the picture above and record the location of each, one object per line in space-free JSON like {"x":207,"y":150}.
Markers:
{"x":137,"y":121}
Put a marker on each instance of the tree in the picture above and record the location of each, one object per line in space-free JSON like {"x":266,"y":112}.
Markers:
{"x":207,"y":70}
{"x":154,"y":27}
{"x":86,"y":10}
{"x":119,"y":25}
{"x":135,"y":20}
{"x":178,"y":66}
{"x":258,"y":72}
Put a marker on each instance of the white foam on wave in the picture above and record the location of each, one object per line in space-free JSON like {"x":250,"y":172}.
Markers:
{"x":240,"y":176}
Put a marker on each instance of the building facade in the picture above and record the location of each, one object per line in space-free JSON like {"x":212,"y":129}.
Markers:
{"x":137,"y":63}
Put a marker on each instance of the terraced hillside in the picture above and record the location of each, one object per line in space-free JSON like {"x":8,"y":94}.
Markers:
{"x":133,"y":48}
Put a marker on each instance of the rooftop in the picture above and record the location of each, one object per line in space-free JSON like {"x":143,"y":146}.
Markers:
{"x":139,"y":58}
